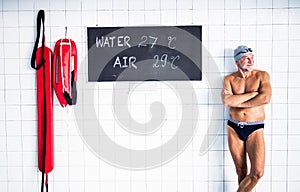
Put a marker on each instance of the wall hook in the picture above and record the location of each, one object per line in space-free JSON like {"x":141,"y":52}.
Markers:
{"x":66,"y":31}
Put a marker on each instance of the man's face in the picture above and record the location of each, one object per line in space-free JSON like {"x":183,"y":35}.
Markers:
{"x":246,"y":63}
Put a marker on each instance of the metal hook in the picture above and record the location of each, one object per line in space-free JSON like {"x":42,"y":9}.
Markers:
{"x":66,"y":31}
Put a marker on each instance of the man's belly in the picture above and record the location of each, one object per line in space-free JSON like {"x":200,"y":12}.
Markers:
{"x":248,"y":114}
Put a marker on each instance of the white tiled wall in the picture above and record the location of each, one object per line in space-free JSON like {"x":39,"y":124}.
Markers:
{"x":270,"y":27}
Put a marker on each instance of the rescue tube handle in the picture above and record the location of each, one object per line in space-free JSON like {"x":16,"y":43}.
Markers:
{"x":40,"y":21}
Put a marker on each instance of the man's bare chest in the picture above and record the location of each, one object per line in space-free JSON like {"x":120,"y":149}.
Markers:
{"x":241,"y":85}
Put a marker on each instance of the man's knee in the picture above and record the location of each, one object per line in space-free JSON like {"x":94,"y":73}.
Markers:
{"x":257,"y":174}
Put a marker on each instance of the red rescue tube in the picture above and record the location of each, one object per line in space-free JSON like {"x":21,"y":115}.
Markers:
{"x":41,"y":61}
{"x":64,"y":75}
{"x":45,"y":111}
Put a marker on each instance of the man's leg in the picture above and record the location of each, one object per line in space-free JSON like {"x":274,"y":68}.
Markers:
{"x":238,"y":153}
{"x":255,"y":146}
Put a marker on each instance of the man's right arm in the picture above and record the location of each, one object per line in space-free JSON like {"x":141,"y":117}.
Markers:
{"x":231,"y":100}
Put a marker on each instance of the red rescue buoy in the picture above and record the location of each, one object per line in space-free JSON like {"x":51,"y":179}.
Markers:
{"x":64,"y":71}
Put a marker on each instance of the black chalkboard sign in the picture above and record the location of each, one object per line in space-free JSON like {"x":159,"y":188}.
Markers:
{"x":151,"y":53}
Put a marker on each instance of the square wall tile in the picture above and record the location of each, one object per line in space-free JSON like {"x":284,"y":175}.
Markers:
{"x":10,"y":5}
{"x":294,"y":45}
{"x":102,"y":4}
{"x":246,"y":19}
{"x":280,"y":48}
{"x":294,"y":16}
{"x":247,"y":4}
{"x":29,"y":143}
{"x":10,"y":19}
{"x":292,"y":129}
{"x":215,"y":158}
{"x":11,"y":65}
{"x":264,"y":32}
{"x":26,"y":19}
{"x":216,"y":48}
{"x":279,"y":80}
{"x":249,"y":33}
{"x":13,"y":113}
{"x":216,"y":33}
{"x":264,"y":4}
{"x":230,"y":186}
{"x":263,"y":63}
{"x":215,"y":173}
{"x":216,"y":17}
{"x":73,"y":5}
{"x":279,"y":95}
{"x":282,"y":145}
{"x":2,"y":102}
{"x":26,"y":5}
{"x":11,"y":54}
{"x":89,"y":18}
{"x":282,"y":32}
{"x":184,"y":4}
{"x":216,"y":4}
{"x":294,"y":3}
{"x":293,"y":142}
{"x":15,"y":186}
{"x":136,"y":5}
{"x":264,"y":16}
{"x":280,"y":4}
{"x":279,"y":111}
{"x":263,"y":186}
{"x":230,"y":173}
{"x":120,"y":18}
{"x":279,"y":158}
{"x":216,"y":186}
{"x":264,"y":48}
{"x":12,"y":97}
{"x":73,"y":18}
{"x":152,"y":17}
{"x":294,"y":32}
{"x":293,"y":98}
{"x":232,"y":4}
{"x":280,"y":16}
{"x":168,"y":17}
{"x":293,"y":173}
{"x":105,"y":18}
{"x":279,"y":127}
{"x":120,"y":5}
{"x":26,"y":35}
{"x":293,"y":158}
{"x":184,"y":17}
{"x":293,"y":80}
{"x":293,"y":185}
{"x":200,"y":17}
{"x":168,"y":5}
{"x":281,"y":64}
{"x":13,"y":128}
{"x":153,"y":4}
{"x":232,"y":33}
{"x":136,"y":17}
{"x":280,"y":186}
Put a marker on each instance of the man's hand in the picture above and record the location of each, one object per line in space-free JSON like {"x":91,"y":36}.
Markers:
{"x":226,"y":92}
{"x":254,"y":94}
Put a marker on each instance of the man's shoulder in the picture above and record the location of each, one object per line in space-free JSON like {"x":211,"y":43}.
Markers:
{"x":261,"y":73}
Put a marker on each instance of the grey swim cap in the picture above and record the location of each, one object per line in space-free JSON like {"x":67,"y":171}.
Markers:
{"x":240,"y":51}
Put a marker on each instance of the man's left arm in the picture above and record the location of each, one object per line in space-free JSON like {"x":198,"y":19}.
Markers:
{"x":264,"y":96}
